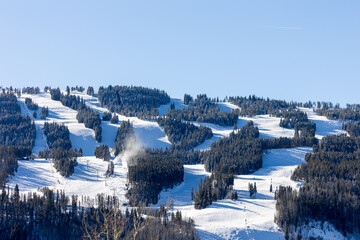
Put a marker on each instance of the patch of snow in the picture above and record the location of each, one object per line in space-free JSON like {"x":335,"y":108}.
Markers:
{"x":227,"y":106}
{"x":249,"y":218}
{"x":148,"y":133}
{"x":88,"y":179}
{"x":179,"y":104}
{"x":324,"y":126}
{"x":269,"y":126}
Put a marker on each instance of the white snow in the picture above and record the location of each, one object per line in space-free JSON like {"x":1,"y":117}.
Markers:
{"x":179,"y":104}
{"x":148,"y":133}
{"x":269,"y":126}
{"x":88,"y":178}
{"x":245,"y":218}
{"x":227,"y":106}
{"x":324,"y":126}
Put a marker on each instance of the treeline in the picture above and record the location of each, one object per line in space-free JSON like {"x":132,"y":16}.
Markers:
{"x":57,"y":136}
{"x":252,"y":105}
{"x":133,"y":101}
{"x":150,"y":173}
{"x":292,"y":117}
{"x":8,"y":163}
{"x":285,"y":142}
{"x":15,"y":129}
{"x":17,"y":136}
{"x":124,"y":135}
{"x":77,"y":88}
{"x":44,"y":112}
{"x":203,"y":109}
{"x":102,"y":152}
{"x":90,"y":91}
{"x":55,"y":216}
{"x":213,"y":188}
{"x":350,"y":112}
{"x":353,"y":128}
{"x":31,"y":90}
{"x":184,"y":135}
{"x":63,"y":156}
{"x":331,"y":192}
{"x":31,"y":105}
{"x":85,"y":114}
{"x":240,"y":153}
{"x":91,"y":119}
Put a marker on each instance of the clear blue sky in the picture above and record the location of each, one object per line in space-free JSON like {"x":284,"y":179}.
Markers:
{"x":293,"y":50}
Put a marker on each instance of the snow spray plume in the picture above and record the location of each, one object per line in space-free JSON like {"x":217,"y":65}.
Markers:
{"x":132,"y":151}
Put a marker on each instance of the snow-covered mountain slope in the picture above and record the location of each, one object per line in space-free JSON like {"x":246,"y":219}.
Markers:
{"x":324,"y":126}
{"x":80,"y":136}
{"x":148,"y":133}
{"x":40,"y":141}
{"x":88,"y":178}
{"x":179,"y":104}
{"x":227,"y":106}
{"x":245,"y":218}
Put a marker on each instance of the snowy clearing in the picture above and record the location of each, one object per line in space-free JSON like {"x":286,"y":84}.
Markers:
{"x":245,"y":218}
{"x":324,"y":126}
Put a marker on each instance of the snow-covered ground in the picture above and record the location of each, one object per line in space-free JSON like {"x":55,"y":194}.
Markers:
{"x":80,"y":136}
{"x":88,"y":178}
{"x":148,"y":133}
{"x":179,"y":104}
{"x":245,"y":218}
{"x":324,"y":126}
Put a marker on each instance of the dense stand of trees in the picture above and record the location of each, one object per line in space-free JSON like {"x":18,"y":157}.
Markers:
{"x":292,"y":117}
{"x":185,"y":135}
{"x":90,"y":91}
{"x":133,"y":101}
{"x":284,"y":142}
{"x":85,"y":114}
{"x":55,"y":216}
{"x":92,"y":120}
{"x":350,"y":112}
{"x":203,"y":109}
{"x":102,"y":152}
{"x":17,"y":135}
{"x":31,"y":90}
{"x":77,"y":88}
{"x":55,"y":94}
{"x":124,"y":135}
{"x":353,"y":128}
{"x":331,"y":191}
{"x":240,"y":153}
{"x":213,"y":188}
{"x":15,"y":129}
{"x":44,"y":112}
{"x":150,"y":173}
{"x":252,"y":105}
{"x":31,"y":105}
{"x":63,"y":156}
{"x":8,"y":164}
{"x":58,"y":136}
{"x":106,"y":116}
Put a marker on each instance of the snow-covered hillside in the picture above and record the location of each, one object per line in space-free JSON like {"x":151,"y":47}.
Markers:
{"x":148,"y":133}
{"x":245,"y":218}
{"x":324,"y":126}
{"x":88,"y":179}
